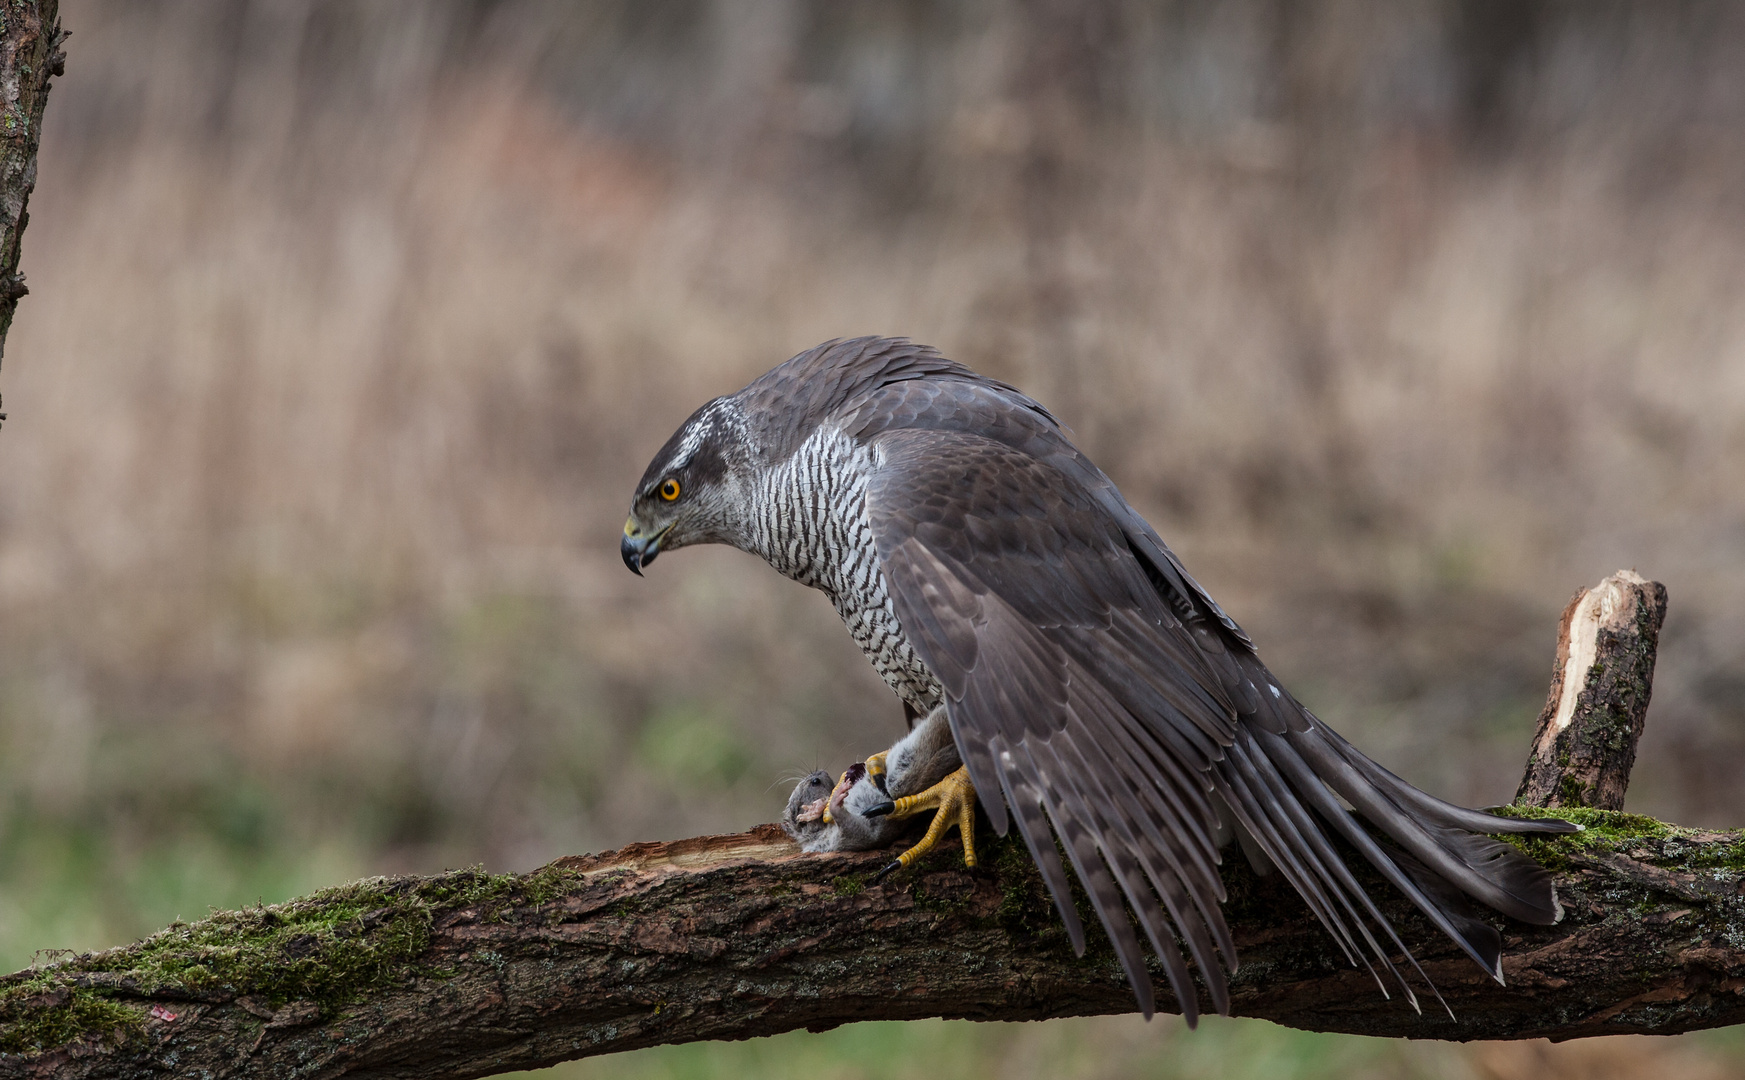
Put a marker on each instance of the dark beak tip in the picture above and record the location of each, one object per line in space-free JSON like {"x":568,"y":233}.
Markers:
{"x":632,"y":552}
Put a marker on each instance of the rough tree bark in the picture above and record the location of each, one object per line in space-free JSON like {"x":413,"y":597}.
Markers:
{"x":30,"y":41}
{"x":468,"y":974}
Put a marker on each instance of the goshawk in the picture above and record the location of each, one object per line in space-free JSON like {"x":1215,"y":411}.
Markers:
{"x":989,"y":570}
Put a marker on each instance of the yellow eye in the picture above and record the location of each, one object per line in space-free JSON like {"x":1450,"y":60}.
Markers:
{"x":669,"y":489}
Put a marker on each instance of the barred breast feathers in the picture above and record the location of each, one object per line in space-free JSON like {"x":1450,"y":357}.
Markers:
{"x":813,"y":528}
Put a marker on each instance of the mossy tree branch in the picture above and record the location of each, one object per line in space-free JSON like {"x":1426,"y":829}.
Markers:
{"x":468,"y":974}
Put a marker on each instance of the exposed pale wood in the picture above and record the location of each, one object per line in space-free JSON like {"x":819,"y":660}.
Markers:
{"x":1585,"y":745}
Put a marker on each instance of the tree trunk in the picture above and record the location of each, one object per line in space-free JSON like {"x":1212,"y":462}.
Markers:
{"x":30,"y":40}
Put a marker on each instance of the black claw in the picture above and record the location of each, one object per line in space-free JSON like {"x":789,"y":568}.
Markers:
{"x":880,"y":810}
{"x":882,"y":874}
{"x":879,"y":779}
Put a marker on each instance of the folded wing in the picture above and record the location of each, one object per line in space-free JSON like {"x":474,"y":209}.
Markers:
{"x":1098,"y":696}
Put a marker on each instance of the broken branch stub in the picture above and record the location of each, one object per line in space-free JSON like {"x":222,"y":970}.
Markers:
{"x":1586,"y":742}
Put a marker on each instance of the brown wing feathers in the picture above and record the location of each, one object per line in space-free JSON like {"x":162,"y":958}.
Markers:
{"x":1054,"y":618}
{"x":1060,"y":682}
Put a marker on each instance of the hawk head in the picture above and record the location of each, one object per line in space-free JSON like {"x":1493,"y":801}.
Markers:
{"x":696,"y":490}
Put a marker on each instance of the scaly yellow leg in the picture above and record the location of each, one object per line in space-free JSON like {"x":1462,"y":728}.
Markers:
{"x":875,"y":768}
{"x":954,"y":801}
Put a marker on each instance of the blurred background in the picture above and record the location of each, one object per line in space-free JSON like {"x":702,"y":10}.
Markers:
{"x":352,"y":326}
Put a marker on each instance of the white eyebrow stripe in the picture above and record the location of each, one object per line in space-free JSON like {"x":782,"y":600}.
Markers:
{"x":694,"y":435}
{"x":718,"y":414}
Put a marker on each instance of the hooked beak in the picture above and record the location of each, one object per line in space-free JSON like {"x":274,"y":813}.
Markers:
{"x":639,"y":548}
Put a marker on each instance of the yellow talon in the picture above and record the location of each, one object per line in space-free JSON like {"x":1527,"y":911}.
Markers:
{"x":875,"y":768}
{"x":954,"y":799}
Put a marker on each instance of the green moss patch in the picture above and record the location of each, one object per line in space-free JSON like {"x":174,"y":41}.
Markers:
{"x":1611,"y":826}
{"x":40,"y":1013}
{"x":331,"y":948}
{"x":1640,"y":836}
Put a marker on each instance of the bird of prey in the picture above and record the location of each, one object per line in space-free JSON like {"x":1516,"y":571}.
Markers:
{"x":991,"y":572}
